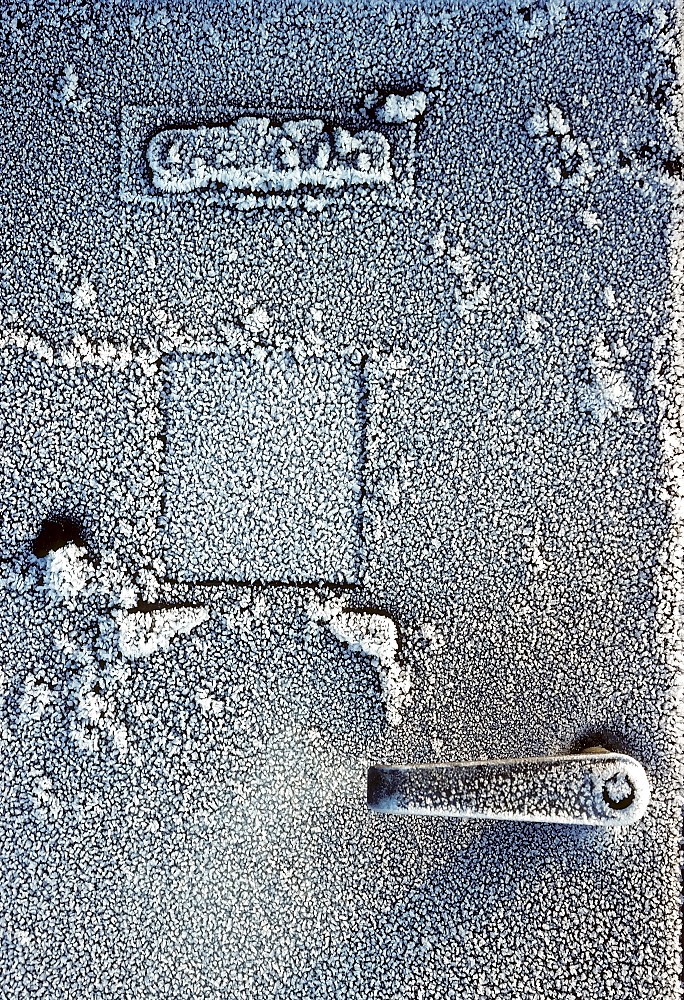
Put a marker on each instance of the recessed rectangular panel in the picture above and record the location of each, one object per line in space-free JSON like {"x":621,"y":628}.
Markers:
{"x":262,"y":468}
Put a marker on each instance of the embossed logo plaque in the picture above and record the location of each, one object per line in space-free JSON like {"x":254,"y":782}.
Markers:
{"x":263,"y":158}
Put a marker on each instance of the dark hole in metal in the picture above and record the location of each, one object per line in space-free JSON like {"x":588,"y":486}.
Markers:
{"x":621,"y":803}
{"x":55,"y":533}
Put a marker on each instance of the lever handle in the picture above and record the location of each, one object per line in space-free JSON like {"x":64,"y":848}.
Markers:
{"x":597,"y":788}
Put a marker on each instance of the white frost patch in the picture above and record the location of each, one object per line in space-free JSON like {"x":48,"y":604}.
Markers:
{"x":537,"y":561}
{"x":591,"y":220}
{"x":85,"y":296}
{"x":29,"y":343}
{"x":399,"y":110}
{"x":209,"y":704}
{"x":433,"y":635}
{"x":92,"y":707}
{"x":257,"y":322}
{"x":21,"y":937}
{"x":433,"y":79}
{"x":609,"y":392}
{"x":438,"y":245}
{"x":470,"y":297}
{"x":35,"y":699}
{"x":569,"y":161}
{"x":532,"y":325}
{"x":85,"y":739}
{"x":68,"y":572}
{"x":609,"y":296}
{"x":66,"y":91}
{"x":44,"y":801}
{"x":70,"y":576}
{"x":473,"y":297}
{"x":99,"y":690}
{"x":376,"y":636}
{"x":120,"y":739}
{"x":144,"y":633}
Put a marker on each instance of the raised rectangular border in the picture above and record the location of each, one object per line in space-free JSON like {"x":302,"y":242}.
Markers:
{"x":139,"y":123}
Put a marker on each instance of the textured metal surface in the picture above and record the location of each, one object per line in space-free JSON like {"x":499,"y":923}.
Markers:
{"x":371,"y":474}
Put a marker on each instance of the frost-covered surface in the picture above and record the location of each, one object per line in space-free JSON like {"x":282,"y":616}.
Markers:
{"x":569,"y":161}
{"x":254,"y":154}
{"x":492,"y":342}
{"x":374,"y":635}
{"x":145,"y":633}
{"x":262,"y":476}
{"x":398,"y":109}
{"x":602,"y":789}
{"x":243,"y":158}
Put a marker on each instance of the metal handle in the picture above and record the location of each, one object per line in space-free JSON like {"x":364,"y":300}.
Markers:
{"x":595,"y":788}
